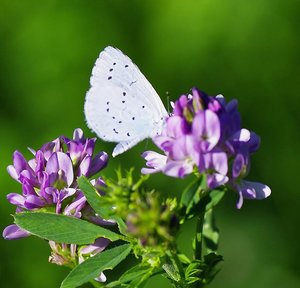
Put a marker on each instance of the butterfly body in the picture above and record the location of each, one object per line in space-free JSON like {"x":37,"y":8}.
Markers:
{"x":121,"y":105}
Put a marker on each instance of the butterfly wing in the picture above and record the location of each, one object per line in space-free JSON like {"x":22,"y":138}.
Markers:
{"x":121,"y":105}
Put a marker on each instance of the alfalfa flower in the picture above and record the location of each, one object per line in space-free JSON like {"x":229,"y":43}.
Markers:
{"x":49,"y":182}
{"x":204,"y":134}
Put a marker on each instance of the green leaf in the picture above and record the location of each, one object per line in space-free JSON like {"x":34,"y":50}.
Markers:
{"x":210,"y":232}
{"x":211,"y":261}
{"x":215,"y":197}
{"x":94,"y":199}
{"x":184,"y":259}
{"x":91,"y":195}
{"x":92,"y":267}
{"x":134,"y":276}
{"x":191,"y":195}
{"x":61,"y":228}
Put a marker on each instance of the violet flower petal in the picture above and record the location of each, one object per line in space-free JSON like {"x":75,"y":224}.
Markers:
{"x":16,"y":199}
{"x":13,"y":172}
{"x":20,"y":162}
{"x":175,"y":126}
{"x":101,"y":278}
{"x":155,"y":161}
{"x":252,"y":190}
{"x":215,"y":180}
{"x":178,"y":168}
{"x":238,"y":165}
{"x":78,"y":134}
{"x":61,"y":162}
{"x":206,"y":128}
{"x":74,"y":208}
{"x":84,"y":166}
{"x":98,"y":163}
{"x":13,"y":232}
{"x":33,"y":202}
{"x":98,"y":246}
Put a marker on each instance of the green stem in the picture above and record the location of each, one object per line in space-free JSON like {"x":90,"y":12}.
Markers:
{"x":199,"y":236}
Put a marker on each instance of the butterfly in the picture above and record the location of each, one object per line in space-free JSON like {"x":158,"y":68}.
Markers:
{"x":121,"y":105}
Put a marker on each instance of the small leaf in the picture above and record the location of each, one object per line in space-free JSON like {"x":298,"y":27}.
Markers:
{"x":135,"y":276}
{"x":215,"y":197}
{"x":61,"y":228}
{"x":210,"y":232}
{"x":191,"y":195}
{"x":211,"y":260}
{"x":94,"y":199}
{"x":91,"y":195}
{"x":92,"y":267}
{"x":208,"y":201}
{"x":184,"y":259}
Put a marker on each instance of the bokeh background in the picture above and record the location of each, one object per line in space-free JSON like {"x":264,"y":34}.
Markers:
{"x":247,"y":50}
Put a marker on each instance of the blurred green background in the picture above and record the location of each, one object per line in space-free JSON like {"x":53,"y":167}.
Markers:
{"x":247,"y":50}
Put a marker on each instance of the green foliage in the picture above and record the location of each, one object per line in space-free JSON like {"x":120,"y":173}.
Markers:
{"x":119,"y":194}
{"x":91,"y":268}
{"x":210,"y":232}
{"x":148,"y":222}
{"x":133,"y":277}
{"x":61,"y":228}
{"x":197,"y":197}
{"x":94,"y":199}
{"x":201,"y":272}
{"x":191,"y":196}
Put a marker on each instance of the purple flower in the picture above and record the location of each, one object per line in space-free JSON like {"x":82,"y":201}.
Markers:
{"x":205,"y":133}
{"x":50,"y":177}
{"x":49,"y":180}
{"x":12,"y":232}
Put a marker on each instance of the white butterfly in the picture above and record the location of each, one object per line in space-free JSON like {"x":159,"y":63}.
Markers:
{"x":121,"y":105}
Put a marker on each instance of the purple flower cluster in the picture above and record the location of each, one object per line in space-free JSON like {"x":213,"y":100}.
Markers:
{"x":204,"y":134}
{"x":49,"y":181}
